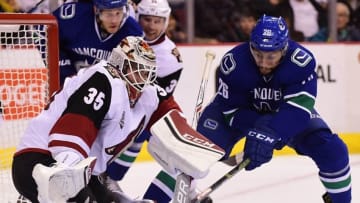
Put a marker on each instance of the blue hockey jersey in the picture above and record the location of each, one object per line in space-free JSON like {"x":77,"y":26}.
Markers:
{"x":80,"y":42}
{"x":288,"y":93}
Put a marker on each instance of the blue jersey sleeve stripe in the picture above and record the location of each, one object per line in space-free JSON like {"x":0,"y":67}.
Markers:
{"x":287,"y":97}
{"x":299,"y":106}
{"x":303,"y":101}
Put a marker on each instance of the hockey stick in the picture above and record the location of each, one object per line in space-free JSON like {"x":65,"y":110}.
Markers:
{"x":34,"y":7}
{"x":182,"y":189}
{"x":183,"y":181}
{"x":205,"y":193}
{"x":234,"y":159}
{"x":209,"y":58}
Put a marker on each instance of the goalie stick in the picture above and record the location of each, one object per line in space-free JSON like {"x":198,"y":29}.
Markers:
{"x":183,"y":181}
{"x":209,"y":58}
{"x":205,"y":193}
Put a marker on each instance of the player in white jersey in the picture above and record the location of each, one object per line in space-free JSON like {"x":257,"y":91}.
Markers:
{"x":95,"y":116}
{"x":153,"y":17}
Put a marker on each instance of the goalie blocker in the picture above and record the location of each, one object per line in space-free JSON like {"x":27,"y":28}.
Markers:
{"x":179,"y":148}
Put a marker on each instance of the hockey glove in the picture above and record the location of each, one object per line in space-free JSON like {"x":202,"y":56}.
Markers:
{"x":259,"y":147}
{"x":60,"y":182}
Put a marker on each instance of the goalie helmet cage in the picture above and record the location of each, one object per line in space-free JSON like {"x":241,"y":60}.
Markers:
{"x":29,"y":74}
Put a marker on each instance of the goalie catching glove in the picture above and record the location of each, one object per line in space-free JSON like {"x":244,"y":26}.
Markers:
{"x":61,"y":182}
{"x":179,"y":148}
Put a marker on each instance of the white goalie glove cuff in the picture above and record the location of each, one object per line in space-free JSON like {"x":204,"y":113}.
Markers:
{"x":68,"y":158}
{"x":179,"y":148}
{"x":61,"y":182}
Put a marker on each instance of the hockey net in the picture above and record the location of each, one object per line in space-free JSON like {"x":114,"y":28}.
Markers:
{"x":28,"y":75}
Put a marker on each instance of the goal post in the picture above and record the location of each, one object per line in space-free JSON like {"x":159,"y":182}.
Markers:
{"x":29,"y":74}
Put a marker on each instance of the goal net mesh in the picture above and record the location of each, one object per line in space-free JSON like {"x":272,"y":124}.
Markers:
{"x":26,"y":81}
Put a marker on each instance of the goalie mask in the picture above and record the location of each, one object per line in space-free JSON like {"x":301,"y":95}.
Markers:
{"x":135,"y":61}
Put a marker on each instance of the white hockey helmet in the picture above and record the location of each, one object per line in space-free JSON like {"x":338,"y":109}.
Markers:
{"x":135,"y":61}
{"x":158,"y":8}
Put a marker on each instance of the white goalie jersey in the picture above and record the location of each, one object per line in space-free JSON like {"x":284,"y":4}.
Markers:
{"x":91,"y":118}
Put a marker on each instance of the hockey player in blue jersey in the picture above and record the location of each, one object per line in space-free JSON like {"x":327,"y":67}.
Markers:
{"x":266,"y":93}
{"x":88,"y":31}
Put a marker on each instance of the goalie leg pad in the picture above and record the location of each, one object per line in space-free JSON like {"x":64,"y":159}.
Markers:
{"x":178,"y":147}
{"x":59,"y":183}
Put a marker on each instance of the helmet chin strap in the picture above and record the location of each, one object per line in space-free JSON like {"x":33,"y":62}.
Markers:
{"x":133,"y":93}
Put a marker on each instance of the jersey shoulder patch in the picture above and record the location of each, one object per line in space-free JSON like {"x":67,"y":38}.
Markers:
{"x":231,"y":60}
{"x":301,"y":57}
{"x":113,"y":72}
{"x":228,"y":63}
{"x":67,"y":11}
{"x":175,"y":51}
